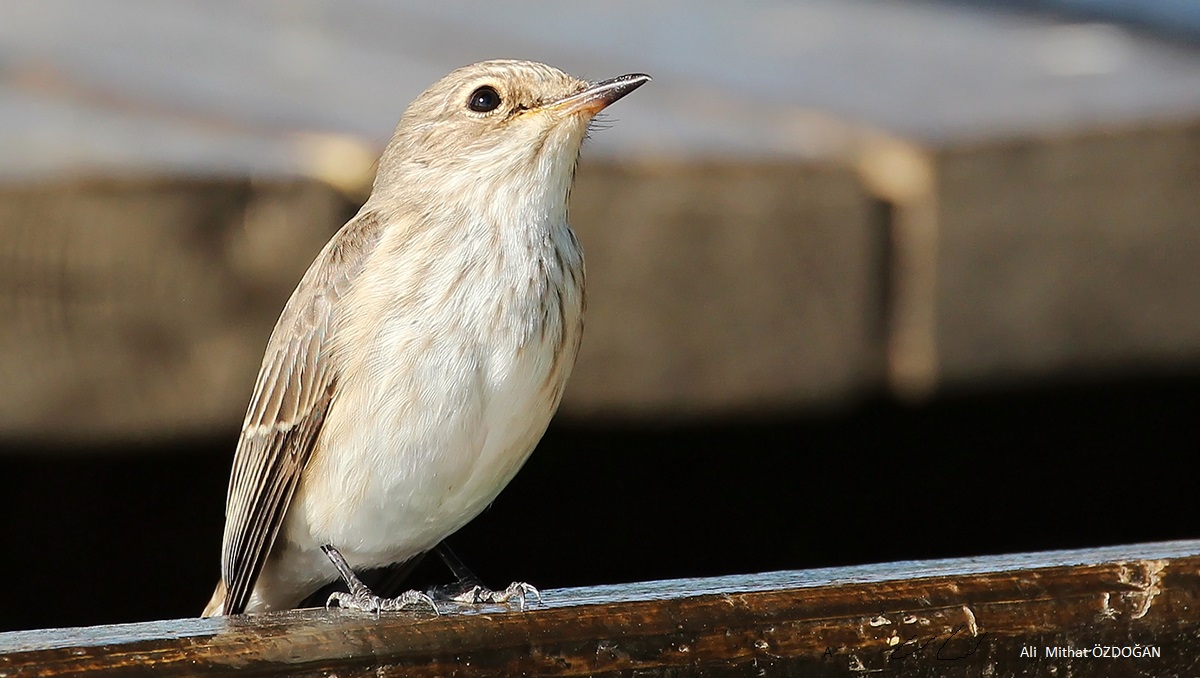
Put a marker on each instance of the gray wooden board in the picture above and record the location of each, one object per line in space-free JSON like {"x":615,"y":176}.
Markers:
{"x":132,"y":85}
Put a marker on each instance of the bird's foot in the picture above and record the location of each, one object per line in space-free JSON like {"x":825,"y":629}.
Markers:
{"x":362,"y":598}
{"x":477,"y":594}
{"x":365,"y":601}
{"x":470,"y":590}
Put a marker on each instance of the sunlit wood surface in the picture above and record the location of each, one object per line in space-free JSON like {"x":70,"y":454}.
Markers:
{"x":959,"y":617}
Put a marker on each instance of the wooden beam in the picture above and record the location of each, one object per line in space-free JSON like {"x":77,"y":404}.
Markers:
{"x":1028,"y":614}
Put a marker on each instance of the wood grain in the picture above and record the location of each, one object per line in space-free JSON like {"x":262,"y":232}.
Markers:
{"x":961,"y":617}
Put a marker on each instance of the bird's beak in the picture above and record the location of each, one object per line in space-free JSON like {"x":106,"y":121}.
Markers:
{"x":598,"y":96}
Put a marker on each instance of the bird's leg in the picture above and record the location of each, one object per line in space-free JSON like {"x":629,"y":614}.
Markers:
{"x":362,"y":598}
{"x":469,"y":588}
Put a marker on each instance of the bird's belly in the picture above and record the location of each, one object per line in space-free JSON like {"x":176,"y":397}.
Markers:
{"x":401,"y":465}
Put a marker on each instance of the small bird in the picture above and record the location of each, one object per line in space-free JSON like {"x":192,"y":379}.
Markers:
{"x":422,"y":355}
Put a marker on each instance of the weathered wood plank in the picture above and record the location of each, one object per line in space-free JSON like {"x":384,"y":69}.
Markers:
{"x":142,"y":307}
{"x":1077,"y":254}
{"x":960,"y":617}
{"x":1038,"y":220}
{"x":773,"y":268}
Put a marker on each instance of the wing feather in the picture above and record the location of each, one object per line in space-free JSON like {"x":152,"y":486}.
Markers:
{"x":293,"y":394}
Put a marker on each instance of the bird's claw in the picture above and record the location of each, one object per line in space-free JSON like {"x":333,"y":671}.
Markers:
{"x":518,"y":590}
{"x":369,"y":602}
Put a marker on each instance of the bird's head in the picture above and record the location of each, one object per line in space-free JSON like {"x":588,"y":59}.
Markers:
{"x":501,"y":125}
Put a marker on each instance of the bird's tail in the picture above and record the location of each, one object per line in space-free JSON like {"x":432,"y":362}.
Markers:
{"x":216,"y":606}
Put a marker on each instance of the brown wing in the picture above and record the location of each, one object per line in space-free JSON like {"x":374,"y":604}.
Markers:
{"x":291,"y":398}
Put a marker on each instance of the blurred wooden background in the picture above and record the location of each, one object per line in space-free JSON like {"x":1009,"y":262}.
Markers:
{"x":953,"y":196}
{"x":815,"y":204}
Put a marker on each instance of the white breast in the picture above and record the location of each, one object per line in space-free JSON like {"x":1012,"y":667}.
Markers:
{"x":446,"y":398}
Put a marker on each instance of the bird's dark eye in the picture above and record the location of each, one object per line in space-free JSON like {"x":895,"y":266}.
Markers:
{"x":484,"y":99}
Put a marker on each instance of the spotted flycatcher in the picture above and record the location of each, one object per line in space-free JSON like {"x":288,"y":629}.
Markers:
{"x":424,"y":352}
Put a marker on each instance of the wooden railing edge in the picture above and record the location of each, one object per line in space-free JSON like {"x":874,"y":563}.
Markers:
{"x":1107,"y":611}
